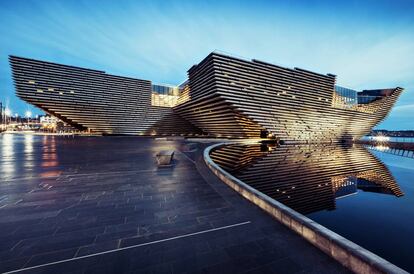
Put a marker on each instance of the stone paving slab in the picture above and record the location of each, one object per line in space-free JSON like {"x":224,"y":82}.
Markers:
{"x":101,"y":205}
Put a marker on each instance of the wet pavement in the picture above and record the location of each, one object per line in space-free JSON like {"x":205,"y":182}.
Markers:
{"x":101,"y":205}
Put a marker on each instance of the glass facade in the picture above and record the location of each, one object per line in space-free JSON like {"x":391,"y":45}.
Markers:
{"x":366,"y":99}
{"x":164,"y":96}
{"x":348,"y":96}
{"x":352,"y":97}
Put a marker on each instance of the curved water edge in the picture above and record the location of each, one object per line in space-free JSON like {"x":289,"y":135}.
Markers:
{"x":349,"y":254}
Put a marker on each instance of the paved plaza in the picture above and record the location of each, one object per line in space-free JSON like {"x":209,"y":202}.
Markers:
{"x":101,"y":205}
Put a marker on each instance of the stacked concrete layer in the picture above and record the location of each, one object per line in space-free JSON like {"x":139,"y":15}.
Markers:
{"x":304,"y":177}
{"x":204,"y":107}
{"x":225,"y":97}
{"x":94,"y":100}
{"x":238,"y":98}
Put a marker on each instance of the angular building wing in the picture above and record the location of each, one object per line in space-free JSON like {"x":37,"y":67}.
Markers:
{"x":93,"y":100}
{"x":239,"y":98}
{"x":224,"y":96}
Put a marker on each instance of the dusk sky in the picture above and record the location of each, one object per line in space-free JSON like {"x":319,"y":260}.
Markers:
{"x":367,"y":44}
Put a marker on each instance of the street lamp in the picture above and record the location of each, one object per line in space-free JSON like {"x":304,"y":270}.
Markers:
{"x":28,"y":114}
{"x":7,"y":113}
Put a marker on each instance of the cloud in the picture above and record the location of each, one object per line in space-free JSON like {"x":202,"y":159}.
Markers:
{"x":161,"y":40}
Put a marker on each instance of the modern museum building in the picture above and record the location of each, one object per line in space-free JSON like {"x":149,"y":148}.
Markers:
{"x":224,"y":96}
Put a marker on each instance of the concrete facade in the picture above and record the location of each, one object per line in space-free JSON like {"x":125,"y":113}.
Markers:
{"x":224,"y":96}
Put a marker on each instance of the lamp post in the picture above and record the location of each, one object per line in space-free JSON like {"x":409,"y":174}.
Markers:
{"x":28,"y":114}
{"x":7,"y":113}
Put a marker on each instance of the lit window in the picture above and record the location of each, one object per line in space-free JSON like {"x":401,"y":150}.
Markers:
{"x":164,"y":96}
{"x":72,"y":92}
{"x":61,"y":93}
{"x":39,"y":90}
{"x":293,"y":96}
{"x":32,"y":82}
{"x":51,"y":89}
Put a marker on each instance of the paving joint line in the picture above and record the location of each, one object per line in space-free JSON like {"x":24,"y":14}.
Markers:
{"x":128,"y":247}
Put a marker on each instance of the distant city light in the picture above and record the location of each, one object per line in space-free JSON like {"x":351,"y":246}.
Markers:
{"x":382,"y":148}
{"x":381,"y":138}
{"x":7,"y":112}
{"x":28,"y":114}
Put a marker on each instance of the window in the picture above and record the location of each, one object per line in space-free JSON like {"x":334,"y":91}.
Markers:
{"x":347,"y":96}
{"x":164,"y":96}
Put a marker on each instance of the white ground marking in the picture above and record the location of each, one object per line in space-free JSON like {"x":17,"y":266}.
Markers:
{"x":128,"y":247}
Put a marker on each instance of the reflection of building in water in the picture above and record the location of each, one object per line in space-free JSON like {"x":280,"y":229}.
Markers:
{"x":370,"y":181}
{"x":378,"y":182}
{"x":307,"y":178}
{"x":234,"y":158}
{"x":7,"y":156}
{"x":50,"y":162}
{"x":344,"y":186}
{"x":400,"y":149}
